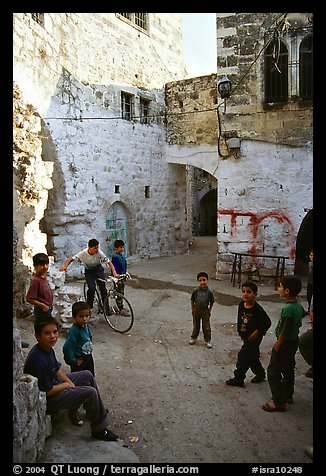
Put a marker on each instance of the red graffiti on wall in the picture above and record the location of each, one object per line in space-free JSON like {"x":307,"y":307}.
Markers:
{"x":256,"y":221}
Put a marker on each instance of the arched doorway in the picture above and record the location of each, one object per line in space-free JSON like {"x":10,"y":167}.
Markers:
{"x":117,"y":226}
{"x":208,"y":214}
{"x":303,"y":245}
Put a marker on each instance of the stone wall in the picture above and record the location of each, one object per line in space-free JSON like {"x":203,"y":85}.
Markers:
{"x":74,"y":70}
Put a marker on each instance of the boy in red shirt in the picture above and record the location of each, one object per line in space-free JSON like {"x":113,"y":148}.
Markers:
{"x":39,"y":293}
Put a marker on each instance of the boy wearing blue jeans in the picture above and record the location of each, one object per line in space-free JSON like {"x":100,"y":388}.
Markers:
{"x":120,"y":264}
{"x":66,"y":390}
{"x":252,"y":324}
{"x":92,"y":259}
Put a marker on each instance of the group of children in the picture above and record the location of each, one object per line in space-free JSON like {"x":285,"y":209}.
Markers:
{"x":78,"y":387}
{"x":70,"y":390}
{"x":252,"y":324}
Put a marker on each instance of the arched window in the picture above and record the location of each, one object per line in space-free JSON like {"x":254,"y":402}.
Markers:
{"x":305,"y":68}
{"x":276,"y":72}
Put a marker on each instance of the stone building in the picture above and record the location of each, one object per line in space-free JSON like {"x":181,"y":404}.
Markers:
{"x":257,"y":144}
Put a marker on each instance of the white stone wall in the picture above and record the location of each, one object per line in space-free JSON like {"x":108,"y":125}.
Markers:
{"x":73,"y":70}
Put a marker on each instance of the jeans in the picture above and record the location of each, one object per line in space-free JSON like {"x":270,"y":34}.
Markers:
{"x":249,"y":358}
{"x":204,"y":317}
{"x":84,"y":393}
{"x":91,"y":275}
{"x":280,"y":372}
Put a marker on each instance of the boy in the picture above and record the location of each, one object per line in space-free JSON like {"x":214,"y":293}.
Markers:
{"x":78,"y":347}
{"x":65,"y":391}
{"x":120,"y":264}
{"x":91,"y":258}
{"x":39,"y":293}
{"x":280,"y":372}
{"x":202,"y":300}
{"x":252,"y":324}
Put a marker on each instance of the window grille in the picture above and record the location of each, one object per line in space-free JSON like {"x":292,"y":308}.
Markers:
{"x":39,"y":18}
{"x":305,"y":68}
{"x":138,"y":19}
{"x":144,"y":111}
{"x":276,"y":72}
{"x":126,"y":106}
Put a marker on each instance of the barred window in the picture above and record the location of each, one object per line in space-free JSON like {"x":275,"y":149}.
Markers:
{"x":305,"y":68}
{"x":38,"y":18}
{"x":126,"y":106}
{"x":276,"y":72}
{"x":137,"y":19}
{"x":144,"y":110}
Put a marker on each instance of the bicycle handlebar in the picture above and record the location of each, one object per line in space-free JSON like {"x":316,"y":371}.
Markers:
{"x":122,"y":277}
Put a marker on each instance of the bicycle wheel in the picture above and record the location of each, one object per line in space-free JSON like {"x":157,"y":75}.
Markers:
{"x":119,"y":314}
{"x":97,"y":303}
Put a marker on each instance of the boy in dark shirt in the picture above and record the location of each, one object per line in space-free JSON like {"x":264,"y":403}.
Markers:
{"x":65,"y":390}
{"x":253,"y":323}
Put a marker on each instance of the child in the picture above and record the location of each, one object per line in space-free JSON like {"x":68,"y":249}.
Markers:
{"x":202,"y":300}
{"x":65,"y":391}
{"x":91,"y":258}
{"x":120,"y":264}
{"x":280,"y":372}
{"x":78,"y":347}
{"x":253,"y":323}
{"x":39,"y":293}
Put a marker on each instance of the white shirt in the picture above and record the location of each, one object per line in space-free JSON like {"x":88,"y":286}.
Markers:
{"x":91,"y":261}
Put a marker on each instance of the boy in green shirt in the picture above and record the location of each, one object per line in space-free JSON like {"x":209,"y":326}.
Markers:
{"x":202,"y":300}
{"x":280,"y":372}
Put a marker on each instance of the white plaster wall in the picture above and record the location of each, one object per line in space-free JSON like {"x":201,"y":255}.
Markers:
{"x":75,"y":68}
{"x":267,"y":180}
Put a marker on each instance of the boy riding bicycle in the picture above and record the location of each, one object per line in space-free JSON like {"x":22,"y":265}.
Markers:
{"x":92,"y":259}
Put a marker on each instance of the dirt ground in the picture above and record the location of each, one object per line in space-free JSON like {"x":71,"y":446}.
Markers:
{"x":167,"y":400}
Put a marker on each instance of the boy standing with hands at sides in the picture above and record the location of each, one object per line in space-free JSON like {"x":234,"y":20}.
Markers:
{"x":91,"y":258}
{"x":202,"y":300}
{"x":78,"y":347}
{"x":280,"y":372}
{"x":252,"y":324}
{"x":65,"y":390}
{"x":39,"y":293}
{"x":120,"y":264}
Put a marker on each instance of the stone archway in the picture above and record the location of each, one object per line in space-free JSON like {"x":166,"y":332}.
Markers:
{"x":117,"y":226}
{"x":208,"y":213}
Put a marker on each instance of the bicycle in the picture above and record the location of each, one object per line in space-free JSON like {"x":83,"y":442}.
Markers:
{"x":116,"y":309}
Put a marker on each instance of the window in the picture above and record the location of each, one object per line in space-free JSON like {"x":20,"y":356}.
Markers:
{"x":117,"y":189}
{"x":126,"y":106}
{"x":276,"y":72}
{"x":305,"y":68}
{"x":39,"y":18}
{"x":144,"y":111}
{"x":146,"y":191}
{"x":139,"y":20}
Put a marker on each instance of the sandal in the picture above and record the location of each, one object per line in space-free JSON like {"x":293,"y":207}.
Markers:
{"x":271,"y":407}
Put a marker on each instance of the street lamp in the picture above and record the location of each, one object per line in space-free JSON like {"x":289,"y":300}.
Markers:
{"x":224,"y":87}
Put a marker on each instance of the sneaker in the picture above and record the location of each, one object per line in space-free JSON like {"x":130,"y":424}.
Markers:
{"x":192,"y":341}
{"x":105,"y":435}
{"x":208,"y":345}
{"x":75,"y":418}
{"x":258,"y":379}
{"x":234,"y":383}
{"x":309,"y":452}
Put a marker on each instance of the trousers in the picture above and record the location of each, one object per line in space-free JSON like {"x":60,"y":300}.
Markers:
{"x":84,"y":393}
